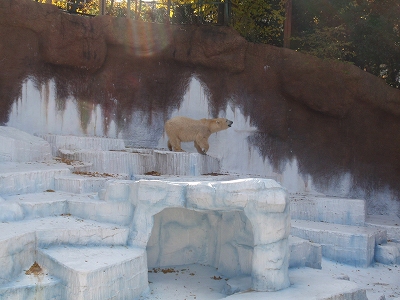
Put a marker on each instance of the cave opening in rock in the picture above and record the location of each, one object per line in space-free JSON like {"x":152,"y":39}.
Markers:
{"x":220,"y":239}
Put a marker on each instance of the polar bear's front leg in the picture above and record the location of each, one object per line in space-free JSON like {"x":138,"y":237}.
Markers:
{"x":198,"y":148}
{"x":201,"y":144}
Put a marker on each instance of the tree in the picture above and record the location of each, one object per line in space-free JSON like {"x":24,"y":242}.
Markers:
{"x":259,"y":21}
{"x":375,"y":27}
{"x":363,"y":32}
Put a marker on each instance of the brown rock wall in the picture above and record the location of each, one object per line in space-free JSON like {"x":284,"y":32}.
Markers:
{"x":67,"y":42}
{"x":329,"y":87}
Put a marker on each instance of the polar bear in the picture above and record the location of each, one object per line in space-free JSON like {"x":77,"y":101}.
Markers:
{"x":183,"y":129}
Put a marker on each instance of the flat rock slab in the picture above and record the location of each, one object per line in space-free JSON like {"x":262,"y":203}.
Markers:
{"x":347,"y":244}
{"x":21,"y":178}
{"x":80,"y":184}
{"x":64,"y":230}
{"x":114,"y":162}
{"x":303,"y":253}
{"x":185,"y":282}
{"x":388,"y":253}
{"x":88,"y":259}
{"x":98,"y":272}
{"x":75,"y":143}
{"x":327,"y":209}
{"x":37,"y":205}
{"x":23,"y":167}
{"x":206,"y":283}
{"x":389,"y":223}
{"x":306,"y":287}
{"x":55,"y":203}
{"x":32,"y":287}
{"x":19,"y":146}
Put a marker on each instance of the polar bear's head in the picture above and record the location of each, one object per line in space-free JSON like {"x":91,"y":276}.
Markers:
{"x":219,"y":124}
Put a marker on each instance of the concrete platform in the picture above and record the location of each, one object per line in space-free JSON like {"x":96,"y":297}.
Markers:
{"x":184,"y":163}
{"x":303,"y":253}
{"x":389,"y":223}
{"x":19,"y":240}
{"x":32,"y":177}
{"x":328,"y":209}
{"x":33,"y":287}
{"x":79,"y":184}
{"x":88,"y":206}
{"x":98,"y":272}
{"x":65,"y":230}
{"x":206,"y":283}
{"x":74,"y":143}
{"x":38,"y":205}
{"x":353,"y":245}
{"x":388,"y":254}
{"x":56,"y":203}
{"x":116,"y":162}
{"x":306,"y":287}
{"x":140,"y":163}
{"x":19,"y":146}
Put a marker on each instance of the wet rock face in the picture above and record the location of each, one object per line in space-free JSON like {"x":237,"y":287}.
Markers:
{"x":61,"y":39}
{"x":82,"y":42}
{"x":332,"y":117}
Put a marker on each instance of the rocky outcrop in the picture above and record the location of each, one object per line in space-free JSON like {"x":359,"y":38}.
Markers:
{"x":63,"y":38}
{"x":329,"y":87}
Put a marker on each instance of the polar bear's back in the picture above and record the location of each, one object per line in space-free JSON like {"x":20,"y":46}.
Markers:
{"x":186,"y":129}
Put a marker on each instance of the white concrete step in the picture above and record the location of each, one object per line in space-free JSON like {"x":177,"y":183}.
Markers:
{"x":98,"y":272}
{"x":34,"y":205}
{"x":138,"y":163}
{"x":66,"y":230}
{"x":389,"y":223}
{"x":84,"y":182}
{"x":327,"y":209}
{"x":115,"y":162}
{"x":303,"y":253}
{"x":90,"y":207}
{"x":353,"y":245}
{"x":75,"y":165}
{"x":19,"y":146}
{"x":306,"y":284}
{"x":32,"y":177}
{"x":107,"y":155}
{"x":33,"y":287}
{"x":19,"y":240}
{"x":117,"y":190}
{"x":184,"y":163}
{"x":55,"y":203}
{"x":388,"y":254}
{"x":74,"y":143}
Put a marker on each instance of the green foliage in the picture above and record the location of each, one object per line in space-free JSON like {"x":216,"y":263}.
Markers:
{"x":259,"y":21}
{"x":77,"y":6}
{"x":117,"y":8}
{"x":364,"y":32}
{"x":376,"y":38}
{"x":194,"y":11}
{"x":327,"y":42}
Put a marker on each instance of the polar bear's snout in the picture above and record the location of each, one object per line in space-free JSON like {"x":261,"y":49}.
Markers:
{"x":229,"y":122}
